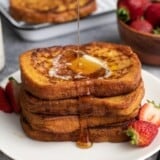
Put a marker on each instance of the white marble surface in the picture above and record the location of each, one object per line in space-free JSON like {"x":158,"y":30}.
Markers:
{"x":13,"y":46}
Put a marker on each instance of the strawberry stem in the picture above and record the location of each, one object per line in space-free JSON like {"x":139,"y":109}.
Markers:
{"x":11,"y":78}
{"x":123,"y":14}
{"x":157,"y":30}
{"x":133,"y":136}
{"x":155,"y":105}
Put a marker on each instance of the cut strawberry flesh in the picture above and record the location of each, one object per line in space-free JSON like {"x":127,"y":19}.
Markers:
{"x":150,"y":113}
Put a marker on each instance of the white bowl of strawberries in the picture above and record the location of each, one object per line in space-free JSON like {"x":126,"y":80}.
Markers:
{"x":139,"y":27}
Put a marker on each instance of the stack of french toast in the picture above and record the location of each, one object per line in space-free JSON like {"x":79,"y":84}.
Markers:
{"x":50,"y":11}
{"x":86,"y":93}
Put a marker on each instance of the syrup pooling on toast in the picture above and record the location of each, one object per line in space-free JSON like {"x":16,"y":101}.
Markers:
{"x":118,"y":62}
{"x":88,"y":65}
{"x":68,"y":66}
{"x":58,"y":62}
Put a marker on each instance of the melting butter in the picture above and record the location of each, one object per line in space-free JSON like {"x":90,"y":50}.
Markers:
{"x":87,"y":64}
{"x":53,"y":73}
{"x":80,"y":67}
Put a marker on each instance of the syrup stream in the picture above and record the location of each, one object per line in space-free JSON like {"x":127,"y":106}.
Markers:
{"x":78,"y":26}
{"x":78,"y":31}
{"x":83,"y":141}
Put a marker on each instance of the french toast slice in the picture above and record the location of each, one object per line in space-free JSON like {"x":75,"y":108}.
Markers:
{"x":52,"y":11}
{"x":119,"y":105}
{"x":55,"y":124}
{"x":113,"y":133}
{"x":50,"y":73}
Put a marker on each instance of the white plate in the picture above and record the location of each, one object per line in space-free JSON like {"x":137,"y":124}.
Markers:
{"x":16,"y":145}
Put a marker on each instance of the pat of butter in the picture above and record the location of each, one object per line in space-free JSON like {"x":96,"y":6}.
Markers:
{"x":82,"y":67}
{"x":87,"y":64}
{"x":95,"y":60}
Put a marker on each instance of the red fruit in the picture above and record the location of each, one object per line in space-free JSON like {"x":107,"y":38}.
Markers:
{"x":142,"y":25}
{"x":4,"y":104}
{"x":150,"y":112}
{"x":12,"y":91}
{"x":129,"y":10}
{"x":142,"y":133}
{"x":146,"y":4}
{"x":152,"y":14}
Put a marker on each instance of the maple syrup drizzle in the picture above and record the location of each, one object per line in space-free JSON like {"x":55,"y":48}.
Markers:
{"x":83,"y":141}
{"x":78,"y":27}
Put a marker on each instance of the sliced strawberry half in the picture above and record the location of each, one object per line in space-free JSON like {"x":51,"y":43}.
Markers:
{"x":150,"y":112}
{"x":12,"y":91}
{"x":4,"y":104}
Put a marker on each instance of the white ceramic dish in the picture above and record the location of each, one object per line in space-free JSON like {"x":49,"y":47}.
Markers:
{"x":16,"y":145}
{"x":103,"y":15}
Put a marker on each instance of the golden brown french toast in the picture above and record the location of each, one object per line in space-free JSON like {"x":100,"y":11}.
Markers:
{"x":113,"y":133}
{"x":53,"y":11}
{"x":99,"y":69}
{"x":55,"y":124}
{"x":119,"y":105}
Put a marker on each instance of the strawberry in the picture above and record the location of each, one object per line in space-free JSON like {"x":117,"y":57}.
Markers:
{"x":150,"y":112}
{"x":12,"y":91}
{"x":142,"y":25}
{"x":141,"y":133}
{"x":129,"y":10}
{"x":4,"y":104}
{"x":152,"y":14}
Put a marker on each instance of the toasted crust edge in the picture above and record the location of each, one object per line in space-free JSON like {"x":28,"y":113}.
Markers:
{"x":108,"y":134}
{"x":84,"y":105}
